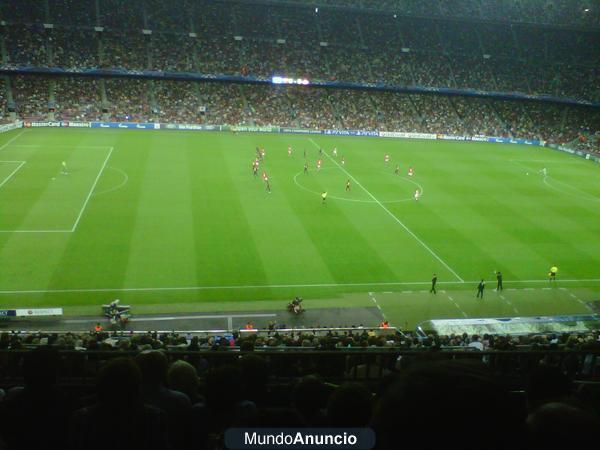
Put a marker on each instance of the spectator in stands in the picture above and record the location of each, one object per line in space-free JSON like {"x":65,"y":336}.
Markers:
{"x":153,"y":367}
{"x":309,"y":397}
{"x":182,"y":377}
{"x":350,"y":405}
{"x":446,"y":404}
{"x":119,"y":420}
{"x":40,"y":404}
{"x":561,"y":425}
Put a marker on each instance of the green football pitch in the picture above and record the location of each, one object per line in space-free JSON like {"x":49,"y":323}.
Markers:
{"x":172,"y":221}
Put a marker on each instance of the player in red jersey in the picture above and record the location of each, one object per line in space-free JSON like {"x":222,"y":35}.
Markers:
{"x":318,"y":165}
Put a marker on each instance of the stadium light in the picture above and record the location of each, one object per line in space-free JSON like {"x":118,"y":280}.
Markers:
{"x":586,"y":10}
{"x":316,"y":10}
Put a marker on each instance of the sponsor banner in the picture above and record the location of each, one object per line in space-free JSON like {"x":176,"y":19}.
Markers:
{"x":39,"y":312}
{"x":28,"y":124}
{"x":126,"y":125}
{"x":351,"y":132}
{"x":571,"y":151}
{"x":34,"y":312}
{"x":479,"y":138}
{"x":405,"y":135}
{"x":65,"y":123}
{"x":514,"y":141}
{"x":10,"y":126}
{"x":254,"y":129}
{"x":190,"y":126}
{"x":449,"y":137}
{"x":300,"y":131}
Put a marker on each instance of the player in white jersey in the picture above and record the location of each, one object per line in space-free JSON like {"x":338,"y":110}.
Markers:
{"x":289,"y":151}
{"x":417,"y":195}
{"x":335,"y":152}
{"x":63,"y":168}
{"x":544,"y":172}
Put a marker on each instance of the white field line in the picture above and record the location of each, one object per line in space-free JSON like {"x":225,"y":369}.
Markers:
{"x":92,"y":190}
{"x":81,"y":212}
{"x":509,"y":303}
{"x":589,"y":308}
{"x":377,"y":304}
{"x":10,"y":141}
{"x":22,"y":163}
{"x":390,"y":214}
{"x":260,"y":286}
{"x":457,"y":306}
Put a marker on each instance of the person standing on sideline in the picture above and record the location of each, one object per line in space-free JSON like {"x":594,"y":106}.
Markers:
{"x":499,"y":279}
{"x":480,"y":288}
{"x":552,"y":273}
{"x":433,"y":283}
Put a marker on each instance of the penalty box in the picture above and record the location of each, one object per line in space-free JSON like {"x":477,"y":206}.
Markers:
{"x":37,"y":197}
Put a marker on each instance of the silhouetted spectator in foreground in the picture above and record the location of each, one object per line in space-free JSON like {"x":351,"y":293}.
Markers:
{"x":546,"y":384}
{"x":153,"y":366}
{"x":447,"y":404}
{"x":120,"y":420}
{"x":182,"y":377}
{"x":36,"y":417}
{"x":562,"y":425}
{"x":309,"y":397}
{"x":350,"y":405}
{"x":225,"y":399}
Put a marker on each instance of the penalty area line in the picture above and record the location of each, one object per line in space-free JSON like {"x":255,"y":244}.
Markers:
{"x":435,"y":255}
{"x":10,"y":141}
{"x":22,"y":163}
{"x":92,"y":190}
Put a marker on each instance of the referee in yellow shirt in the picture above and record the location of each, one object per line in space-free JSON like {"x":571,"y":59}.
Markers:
{"x":324,"y":196}
{"x":552,"y":273}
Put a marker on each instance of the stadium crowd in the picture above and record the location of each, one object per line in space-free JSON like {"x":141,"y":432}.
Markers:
{"x":140,"y":100}
{"x":360,"y":338}
{"x":266,"y":39}
{"x":154,"y":398}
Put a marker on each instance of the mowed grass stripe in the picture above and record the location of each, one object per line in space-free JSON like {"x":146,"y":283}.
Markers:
{"x":225,"y":248}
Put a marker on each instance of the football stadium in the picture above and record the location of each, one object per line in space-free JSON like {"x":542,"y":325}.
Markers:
{"x":373,"y":216}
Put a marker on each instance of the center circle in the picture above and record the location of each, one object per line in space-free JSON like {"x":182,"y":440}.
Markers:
{"x":300,"y":175}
